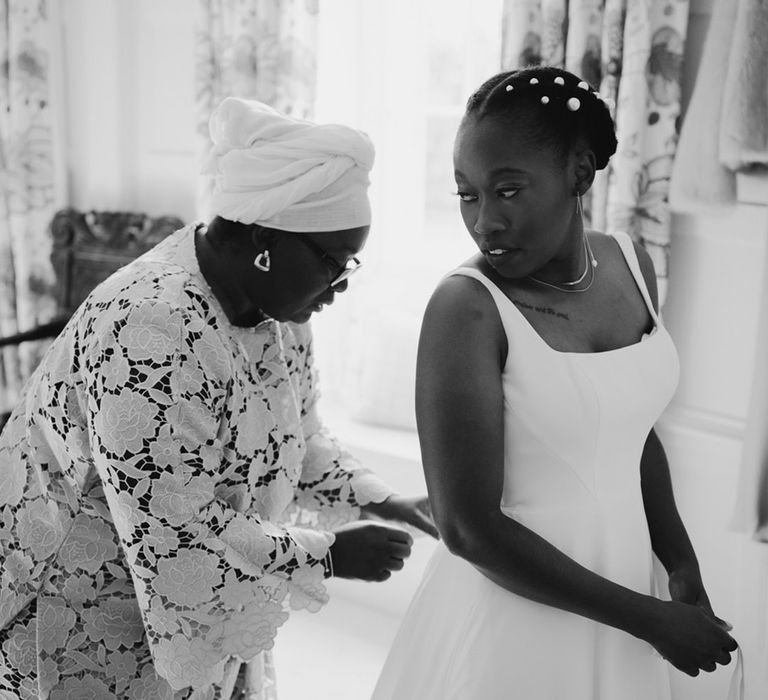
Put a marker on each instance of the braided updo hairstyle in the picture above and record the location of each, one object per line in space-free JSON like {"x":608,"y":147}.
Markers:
{"x":551,"y":106}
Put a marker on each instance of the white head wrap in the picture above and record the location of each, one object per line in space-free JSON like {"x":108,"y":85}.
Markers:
{"x":287,"y":173}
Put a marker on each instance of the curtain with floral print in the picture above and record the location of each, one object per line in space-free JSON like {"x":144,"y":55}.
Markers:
{"x":256,"y":49}
{"x":632,"y":51}
{"x":27,"y":182}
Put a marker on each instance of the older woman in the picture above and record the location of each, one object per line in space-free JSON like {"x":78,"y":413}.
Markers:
{"x":168,"y":490}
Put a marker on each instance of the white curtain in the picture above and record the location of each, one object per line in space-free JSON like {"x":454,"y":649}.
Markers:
{"x":726,"y":125}
{"x":255,"y":49}
{"x":631,"y":50}
{"x":29,"y":183}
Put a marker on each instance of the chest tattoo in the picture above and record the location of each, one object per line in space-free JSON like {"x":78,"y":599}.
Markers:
{"x":542,"y":309}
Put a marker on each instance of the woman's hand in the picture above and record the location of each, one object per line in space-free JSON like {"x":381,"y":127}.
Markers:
{"x":369,"y":551}
{"x":689,"y":637}
{"x":413,"y":510}
{"x":686,"y":586}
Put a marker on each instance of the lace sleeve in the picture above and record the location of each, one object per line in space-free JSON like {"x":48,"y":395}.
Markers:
{"x":333,"y":483}
{"x":211,"y":582}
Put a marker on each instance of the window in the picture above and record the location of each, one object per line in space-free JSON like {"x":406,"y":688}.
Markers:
{"x":401,"y":70}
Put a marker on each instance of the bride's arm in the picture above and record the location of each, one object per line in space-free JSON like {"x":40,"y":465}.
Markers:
{"x":669,"y":538}
{"x":459,"y":408}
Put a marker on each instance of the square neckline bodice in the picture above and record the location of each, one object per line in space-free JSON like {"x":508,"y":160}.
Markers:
{"x":626,"y":246}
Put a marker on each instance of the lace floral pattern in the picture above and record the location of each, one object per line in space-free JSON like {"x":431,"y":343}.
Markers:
{"x":166,"y":495}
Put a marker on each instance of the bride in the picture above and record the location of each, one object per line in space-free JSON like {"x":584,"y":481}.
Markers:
{"x":543,"y":366}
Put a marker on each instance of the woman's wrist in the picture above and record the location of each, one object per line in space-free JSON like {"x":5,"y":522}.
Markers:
{"x":646,"y":619}
{"x":688,"y":566}
{"x":380,"y":509}
{"x":677,"y":554}
{"x":684,"y":573}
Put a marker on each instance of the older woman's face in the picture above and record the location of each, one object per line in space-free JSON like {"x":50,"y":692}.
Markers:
{"x":303,"y":266}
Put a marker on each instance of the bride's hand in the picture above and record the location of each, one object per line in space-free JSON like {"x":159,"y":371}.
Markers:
{"x":686,"y":586}
{"x":689,"y":638}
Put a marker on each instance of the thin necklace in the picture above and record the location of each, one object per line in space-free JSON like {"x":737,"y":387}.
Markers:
{"x":589,"y":257}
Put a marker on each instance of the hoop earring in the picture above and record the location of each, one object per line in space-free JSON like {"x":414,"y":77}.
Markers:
{"x":262,"y":261}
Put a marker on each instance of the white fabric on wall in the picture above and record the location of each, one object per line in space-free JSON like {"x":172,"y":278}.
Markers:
{"x":726,"y":126}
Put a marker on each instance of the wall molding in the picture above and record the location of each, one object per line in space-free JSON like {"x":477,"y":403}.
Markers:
{"x":753,"y":187}
{"x":688,"y":419}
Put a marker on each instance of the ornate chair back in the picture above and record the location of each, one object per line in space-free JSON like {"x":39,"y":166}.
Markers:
{"x":87,"y":248}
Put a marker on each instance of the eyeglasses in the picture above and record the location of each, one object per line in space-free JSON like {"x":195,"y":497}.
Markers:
{"x":341,"y":272}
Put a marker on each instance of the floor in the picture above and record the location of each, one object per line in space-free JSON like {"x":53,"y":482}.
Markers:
{"x":335,"y":654}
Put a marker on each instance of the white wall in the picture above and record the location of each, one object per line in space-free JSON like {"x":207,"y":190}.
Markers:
{"x":716,"y":270}
{"x":130,"y":112}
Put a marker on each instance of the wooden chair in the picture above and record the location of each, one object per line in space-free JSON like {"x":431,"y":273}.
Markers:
{"x":87,"y":248}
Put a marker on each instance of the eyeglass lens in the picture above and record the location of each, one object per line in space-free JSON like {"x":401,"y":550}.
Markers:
{"x":352,"y":266}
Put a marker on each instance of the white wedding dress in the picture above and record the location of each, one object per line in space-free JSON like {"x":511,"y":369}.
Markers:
{"x":575,"y":426}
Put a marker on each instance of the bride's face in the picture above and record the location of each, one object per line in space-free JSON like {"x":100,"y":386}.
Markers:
{"x":517,"y":198}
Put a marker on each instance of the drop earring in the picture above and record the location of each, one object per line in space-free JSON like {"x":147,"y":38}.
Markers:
{"x":580,"y":209}
{"x":262,"y":261}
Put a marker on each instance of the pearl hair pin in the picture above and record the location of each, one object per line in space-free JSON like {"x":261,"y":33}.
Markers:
{"x":572,"y":103}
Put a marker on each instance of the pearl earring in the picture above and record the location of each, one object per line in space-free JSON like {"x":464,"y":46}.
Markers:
{"x":580,"y":210}
{"x":262,"y":261}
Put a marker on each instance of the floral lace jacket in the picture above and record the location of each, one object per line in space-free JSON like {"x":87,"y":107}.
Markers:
{"x":166,"y":494}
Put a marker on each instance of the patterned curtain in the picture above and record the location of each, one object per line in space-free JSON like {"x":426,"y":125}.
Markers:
{"x":27,"y":183}
{"x":632,"y":51}
{"x":255,"y":49}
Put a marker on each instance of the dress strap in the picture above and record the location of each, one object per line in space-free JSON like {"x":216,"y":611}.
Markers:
{"x":628,"y":250}
{"x":498,"y":296}
{"x":500,"y":299}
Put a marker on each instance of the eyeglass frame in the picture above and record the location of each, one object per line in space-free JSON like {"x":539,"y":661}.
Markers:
{"x":345,"y":272}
